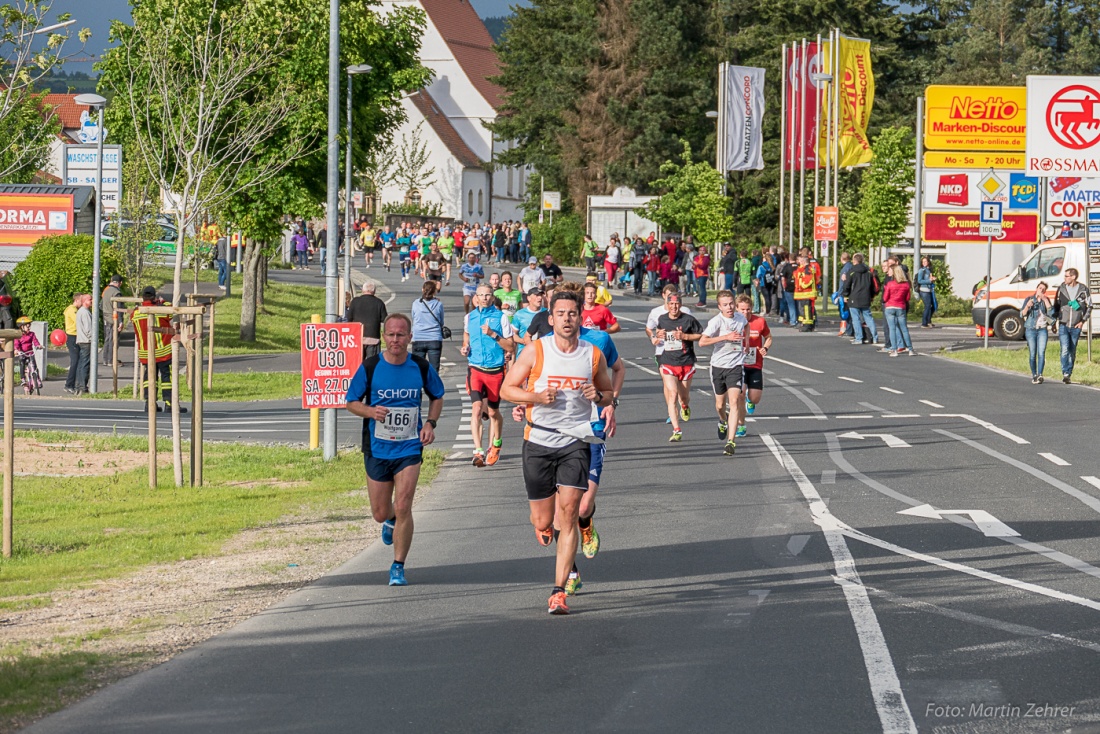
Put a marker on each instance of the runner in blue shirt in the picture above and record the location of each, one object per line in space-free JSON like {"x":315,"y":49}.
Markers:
{"x":470,"y":274}
{"x":388,"y":239}
{"x":386,"y":393}
{"x":521,"y":319}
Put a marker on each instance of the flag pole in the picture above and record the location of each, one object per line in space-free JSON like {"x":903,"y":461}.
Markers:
{"x":802,"y":84}
{"x":792,"y":105}
{"x":783,"y":157}
{"x":817,"y":137}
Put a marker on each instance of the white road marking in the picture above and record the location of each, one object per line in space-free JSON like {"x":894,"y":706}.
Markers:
{"x":849,"y":379}
{"x":797,"y":544}
{"x":1093,"y":481}
{"x":793,"y":364}
{"x":930,"y":404}
{"x":828,"y":476}
{"x":901,"y":415}
{"x":645,"y":369}
{"x":808,"y":417}
{"x":890,"y":440}
{"x":767,"y":371}
{"x":811,"y":391}
{"x":455,"y":455}
{"x":990,"y":526}
{"x":855,"y":415}
{"x":1056,"y":460}
{"x":875,"y":408}
{"x":882,"y":676}
{"x":984,"y":424}
{"x":633,"y":321}
{"x":890,"y":389}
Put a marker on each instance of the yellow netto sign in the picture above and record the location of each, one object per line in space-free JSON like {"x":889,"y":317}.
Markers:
{"x":975,"y":160}
{"x":975,"y":118}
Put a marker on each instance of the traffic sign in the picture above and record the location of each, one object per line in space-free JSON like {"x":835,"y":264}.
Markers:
{"x":331,"y":354}
{"x":551,"y":201}
{"x":991,"y":185}
{"x":990,"y":223}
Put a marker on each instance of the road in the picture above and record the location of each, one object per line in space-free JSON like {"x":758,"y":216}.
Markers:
{"x":899,"y":545}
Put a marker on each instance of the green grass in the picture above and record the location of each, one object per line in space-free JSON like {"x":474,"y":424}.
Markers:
{"x":278,"y":324}
{"x":74,"y":531}
{"x":228,"y":386}
{"x":1015,"y":359}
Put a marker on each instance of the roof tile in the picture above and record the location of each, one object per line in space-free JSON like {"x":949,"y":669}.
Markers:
{"x":445,"y":130}
{"x":470,"y":43}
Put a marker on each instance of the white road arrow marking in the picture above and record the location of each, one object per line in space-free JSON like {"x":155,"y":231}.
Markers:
{"x":990,"y":526}
{"x":892,"y":441}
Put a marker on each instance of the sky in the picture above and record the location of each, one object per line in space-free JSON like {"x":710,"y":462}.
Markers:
{"x":97,"y":15}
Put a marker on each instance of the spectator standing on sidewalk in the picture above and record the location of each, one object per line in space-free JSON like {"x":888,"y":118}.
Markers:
{"x":301,"y":249}
{"x":370,"y":311}
{"x":70,"y":341}
{"x":1037,"y":313}
{"x":111,"y":326}
{"x":84,"y":327}
{"x":858,"y":291}
{"x":926,"y":287}
{"x":727,"y":267}
{"x":701,"y":267}
{"x":221,"y":260}
{"x":846,"y":328}
{"x":1071,"y":303}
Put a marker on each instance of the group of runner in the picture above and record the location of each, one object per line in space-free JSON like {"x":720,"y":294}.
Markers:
{"x":555,"y":359}
{"x":430,"y":249}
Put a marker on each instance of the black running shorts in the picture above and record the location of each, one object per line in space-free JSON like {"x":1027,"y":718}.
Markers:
{"x":726,"y":379}
{"x":754,"y":378}
{"x":546,"y":469}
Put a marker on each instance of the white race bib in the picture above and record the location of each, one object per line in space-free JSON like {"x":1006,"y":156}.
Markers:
{"x":735,"y":347}
{"x":750,"y":355}
{"x":672,"y":344}
{"x":400,"y":424}
{"x":434,"y":265}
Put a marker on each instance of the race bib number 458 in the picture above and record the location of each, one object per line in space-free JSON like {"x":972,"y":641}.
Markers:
{"x":400,"y":424}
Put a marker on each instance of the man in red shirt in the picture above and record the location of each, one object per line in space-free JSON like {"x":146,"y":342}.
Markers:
{"x":757,"y":344}
{"x":595,"y":316}
{"x":701,"y":263}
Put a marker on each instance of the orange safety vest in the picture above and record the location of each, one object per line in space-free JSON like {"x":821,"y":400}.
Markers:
{"x":162,"y":343}
{"x":805,"y":283}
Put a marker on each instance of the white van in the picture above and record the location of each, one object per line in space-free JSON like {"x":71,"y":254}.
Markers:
{"x":1045,"y":263}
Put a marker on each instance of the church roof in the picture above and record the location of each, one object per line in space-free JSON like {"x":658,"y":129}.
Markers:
{"x":470,"y":42}
{"x":445,"y":130}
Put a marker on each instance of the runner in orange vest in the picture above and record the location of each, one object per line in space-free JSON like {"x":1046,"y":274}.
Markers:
{"x":805,"y":292}
{"x":163,"y":332}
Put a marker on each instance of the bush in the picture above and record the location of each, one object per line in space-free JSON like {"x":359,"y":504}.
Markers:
{"x":55,"y":269}
{"x":563,"y":240}
{"x":427,"y":209}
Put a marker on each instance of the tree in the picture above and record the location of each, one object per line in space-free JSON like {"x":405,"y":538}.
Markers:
{"x":691,"y":201}
{"x":885,"y":194}
{"x":26,"y":124}
{"x":138,"y":208}
{"x":411,"y":171}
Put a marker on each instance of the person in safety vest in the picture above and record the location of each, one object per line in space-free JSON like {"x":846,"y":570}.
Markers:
{"x":805,"y":292}
{"x":163,"y":333}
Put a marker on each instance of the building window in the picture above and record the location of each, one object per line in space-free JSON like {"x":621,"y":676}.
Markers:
{"x":510,"y":182}
{"x":480,"y":202}
{"x":412,"y":196}
{"x":522,"y":187}
{"x":470,"y":202}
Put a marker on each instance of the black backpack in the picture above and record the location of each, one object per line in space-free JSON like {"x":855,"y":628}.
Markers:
{"x":369,"y":366}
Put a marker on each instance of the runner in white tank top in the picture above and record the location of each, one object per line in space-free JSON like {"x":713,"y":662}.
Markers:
{"x":556,"y":424}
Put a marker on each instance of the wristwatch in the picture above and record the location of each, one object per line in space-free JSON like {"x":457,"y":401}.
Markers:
{"x":614,"y":402}
{"x":599,"y":396}
{"x":433,"y":423}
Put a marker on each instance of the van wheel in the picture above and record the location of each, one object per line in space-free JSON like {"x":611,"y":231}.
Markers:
{"x":1009,"y":325}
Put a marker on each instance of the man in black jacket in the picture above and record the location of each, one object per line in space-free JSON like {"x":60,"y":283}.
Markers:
{"x":1071,"y":303}
{"x":859,"y":290}
{"x":370,"y":311}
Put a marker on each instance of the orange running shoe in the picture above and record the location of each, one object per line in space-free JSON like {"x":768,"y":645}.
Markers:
{"x":557,"y":603}
{"x":545,"y":537}
{"x":493,"y":456}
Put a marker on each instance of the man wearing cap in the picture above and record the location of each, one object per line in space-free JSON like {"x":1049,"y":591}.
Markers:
{"x":531,"y":276}
{"x":163,"y":333}
{"x":111,"y":322}
{"x":522,"y":318}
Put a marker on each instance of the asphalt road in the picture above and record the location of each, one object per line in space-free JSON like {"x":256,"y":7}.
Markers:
{"x":779,"y":590}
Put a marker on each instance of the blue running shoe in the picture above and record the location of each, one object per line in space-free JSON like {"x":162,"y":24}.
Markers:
{"x":387,"y":532}
{"x":668,"y":420}
{"x":750,"y":407}
{"x":741,"y":431}
{"x":397,"y":576}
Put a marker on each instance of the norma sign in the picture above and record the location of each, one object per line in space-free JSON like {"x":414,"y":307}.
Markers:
{"x":27,"y":218}
{"x":975,"y":118}
{"x":331,"y":353}
{"x":826,"y":223}
{"x":1063,"y":125}
{"x":79,"y":165}
{"x":965,"y":228}
{"x":551,"y":201}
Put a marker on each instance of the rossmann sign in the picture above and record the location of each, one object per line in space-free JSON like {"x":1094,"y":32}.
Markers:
{"x":27,"y":218}
{"x":975,"y":118}
{"x":1063,"y":126}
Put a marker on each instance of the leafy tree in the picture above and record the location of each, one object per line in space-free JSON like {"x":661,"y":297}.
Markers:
{"x":411,"y":169}
{"x":885,"y":194}
{"x":27,"y":125}
{"x":138,"y":207}
{"x":691,"y":200}
{"x":56,"y":268}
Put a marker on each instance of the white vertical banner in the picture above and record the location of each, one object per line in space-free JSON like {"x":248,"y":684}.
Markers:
{"x":743,"y":114}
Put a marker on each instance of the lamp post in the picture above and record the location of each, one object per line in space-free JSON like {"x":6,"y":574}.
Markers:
{"x":352,"y":71}
{"x":332,"y":272}
{"x":97,"y":104}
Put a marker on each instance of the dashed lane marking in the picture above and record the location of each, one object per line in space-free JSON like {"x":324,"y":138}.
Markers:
{"x":1093,"y":481}
{"x":984,"y":424}
{"x":849,"y":379}
{"x":793,"y":364}
{"x":811,"y":391}
{"x":930,"y":404}
{"x":892,"y":390}
{"x":1053,"y":459}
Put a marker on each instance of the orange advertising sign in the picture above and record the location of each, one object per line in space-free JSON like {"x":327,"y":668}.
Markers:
{"x":975,"y":118}
{"x":826,"y":223}
{"x":27,"y":218}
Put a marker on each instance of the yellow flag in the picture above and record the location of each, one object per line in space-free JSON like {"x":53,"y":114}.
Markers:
{"x":857,"y":96}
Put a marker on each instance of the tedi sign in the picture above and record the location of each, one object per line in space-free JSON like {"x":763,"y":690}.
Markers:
{"x":1063,"y":125}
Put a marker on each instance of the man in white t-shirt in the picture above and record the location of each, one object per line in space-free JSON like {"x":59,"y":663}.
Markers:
{"x":726,"y":333}
{"x":531,"y":276}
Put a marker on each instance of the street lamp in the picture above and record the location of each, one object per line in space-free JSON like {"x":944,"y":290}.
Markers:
{"x":332,"y":269}
{"x":352,"y":71}
{"x":97,"y":104}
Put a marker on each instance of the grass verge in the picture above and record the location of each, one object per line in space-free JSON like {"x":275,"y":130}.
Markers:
{"x":231,"y":387}
{"x":71,"y":531}
{"x":1015,"y":359}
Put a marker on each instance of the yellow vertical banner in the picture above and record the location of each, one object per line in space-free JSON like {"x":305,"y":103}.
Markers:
{"x":857,"y":97}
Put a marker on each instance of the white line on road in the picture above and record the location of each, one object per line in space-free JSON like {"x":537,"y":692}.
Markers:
{"x":855,"y":415}
{"x":890,"y":389}
{"x":1093,"y":481}
{"x":811,"y":391}
{"x":849,"y":379}
{"x":882,"y":676}
{"x":793,"y":364}
{"x":930,"y":404}
{"x":645,"y":369}
{"x":808,"y":417}
{"x":828,"y":476}
{"x":633,"y":321}
{"x":1056,"y":460}
{"x":764,"y":418}
{"x":872,"y":406}
{"x":901,"y":415}
{"x":984,"y":424}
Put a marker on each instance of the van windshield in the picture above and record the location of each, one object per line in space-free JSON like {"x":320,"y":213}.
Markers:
{"x":1045,"y":263}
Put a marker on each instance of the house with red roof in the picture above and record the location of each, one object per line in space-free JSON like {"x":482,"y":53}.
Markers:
{"x":449,"y":119}
{"x":69,"y":114}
